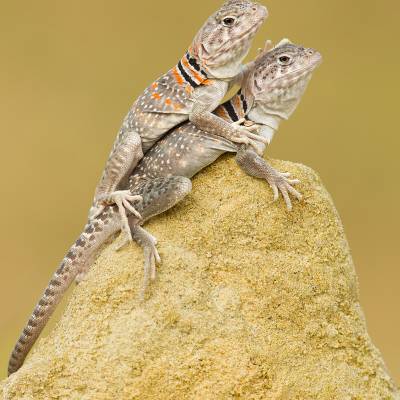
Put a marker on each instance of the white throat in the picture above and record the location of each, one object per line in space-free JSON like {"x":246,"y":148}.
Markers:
{"x":269,"y":122}
{"x":230,"y":68}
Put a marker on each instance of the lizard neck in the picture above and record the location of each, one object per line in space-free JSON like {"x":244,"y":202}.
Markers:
{"x":269,"y":122}
{"x":234,"y":109}
{"x":263,"y":117}
{"x":230,"y":69}
{"x":226,"y":71}
{"x":190,"y":70}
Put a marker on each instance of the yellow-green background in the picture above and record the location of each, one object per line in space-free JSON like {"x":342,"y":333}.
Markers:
{"x":69,"y":71}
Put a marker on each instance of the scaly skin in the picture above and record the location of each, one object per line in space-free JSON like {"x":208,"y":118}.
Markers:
{"x":162,"y":178}
{"x":191,"y":90}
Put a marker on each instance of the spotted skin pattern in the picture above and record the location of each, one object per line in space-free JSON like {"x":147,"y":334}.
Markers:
{"x":162,"y":178}
{"x":190,"y":90}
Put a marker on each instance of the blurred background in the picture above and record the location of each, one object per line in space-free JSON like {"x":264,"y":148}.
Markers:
{"x":69,"y":72}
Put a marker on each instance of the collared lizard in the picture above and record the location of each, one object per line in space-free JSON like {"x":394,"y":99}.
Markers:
{"x":190,"y":90}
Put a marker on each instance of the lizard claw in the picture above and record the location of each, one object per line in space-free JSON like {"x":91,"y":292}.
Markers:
{"x":247,"y":124}
{"x":151,"y":260}
{"x":239,"y":122}
{"x":252,"y":140}
{"x":151,"y":256}
{"x":280,"y":183}
{"x":246,"y":136}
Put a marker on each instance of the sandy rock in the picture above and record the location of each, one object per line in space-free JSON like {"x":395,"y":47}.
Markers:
{"x":251,"y":302}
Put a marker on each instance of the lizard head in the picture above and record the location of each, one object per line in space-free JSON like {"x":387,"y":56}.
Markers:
{"x":225,"y":39}
{"x":281,"y":76}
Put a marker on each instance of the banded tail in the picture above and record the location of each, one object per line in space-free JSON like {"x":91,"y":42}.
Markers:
{"x":95,"y":234}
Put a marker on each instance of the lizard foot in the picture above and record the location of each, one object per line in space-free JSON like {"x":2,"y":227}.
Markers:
{"x":151,"y":260}
{"x":122,"y":199}
{"x":151,"y":256}
{"x":246,"y":135}
{"x":281,"y":182}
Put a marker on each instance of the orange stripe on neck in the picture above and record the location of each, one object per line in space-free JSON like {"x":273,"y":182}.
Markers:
{"x":238,"y":106}
{"x":221,"y":112}
{"x":177,"y":76}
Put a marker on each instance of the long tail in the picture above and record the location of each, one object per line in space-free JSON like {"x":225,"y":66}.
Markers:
{"x":95,"y":234}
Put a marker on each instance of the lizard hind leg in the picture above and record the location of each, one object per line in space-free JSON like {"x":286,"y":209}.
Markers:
{"x":159,"y":195}
{"x":151,"y":256}
{"x":123,"y":159}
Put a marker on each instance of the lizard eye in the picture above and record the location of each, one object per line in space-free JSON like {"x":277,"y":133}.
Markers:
{"x":285,"y":59}
{"x":229,"y":21}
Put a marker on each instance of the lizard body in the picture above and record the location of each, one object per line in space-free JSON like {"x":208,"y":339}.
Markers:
{"x":191,"y":90}
{"x":270,"y":93}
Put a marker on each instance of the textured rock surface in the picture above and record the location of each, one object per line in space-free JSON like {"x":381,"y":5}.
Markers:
{"x":251,"y":302}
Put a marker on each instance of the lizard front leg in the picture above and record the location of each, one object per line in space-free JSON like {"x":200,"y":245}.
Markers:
{"x":206,"y":99}
{"x":124,"y":157}
{"x":256,"y":166}
{"x":159,"y":195}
